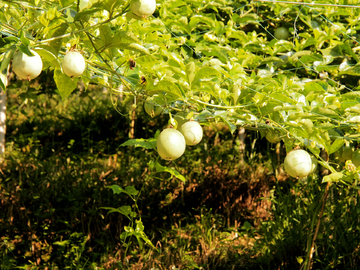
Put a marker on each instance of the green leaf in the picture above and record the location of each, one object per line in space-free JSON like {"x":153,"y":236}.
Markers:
{"x":351,"y":95}
{"x":190,"y":72}
{"x":173,"y":172}
{"x":49,"y":58}
{"x":64,"y":83}
{"x":57,"y":43}
{"x":144,"y":143}
{"x":334,"y":177}
{"x":124,"y":210}
{"x":5,"y":65}
{"x":23,"y":39}
{"x":204,"y":72}
{"x":116,"y":189}
{"x":336,"y":145}
{"x":85,"y":15}
{"x":131,"y":190}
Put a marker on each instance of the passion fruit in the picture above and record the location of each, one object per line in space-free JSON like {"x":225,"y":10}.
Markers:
{"x":27,"y":67}
{"x":273,"y":136}
{"x":356,"y":158}
{"x":281,"y":33}
{"x":298,"y":163}
{"x":170,"y":144}
{"x":73,"y":64}
{"x":143,"y":8}
{"x":192,"y":132}
{"x":151,"y":108}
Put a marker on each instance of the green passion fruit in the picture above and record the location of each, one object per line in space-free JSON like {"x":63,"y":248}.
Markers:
{"x":273,"y":136}
{"x":281,"y":33}
{"x":151,"y":108}
{"x":356,"y":158}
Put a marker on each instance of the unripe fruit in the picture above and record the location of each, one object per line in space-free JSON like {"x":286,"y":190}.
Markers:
{"x":298,"y":163}
{"x":356,"y":158}
{"x":73,"y":64}
{"x":143,"y":8}
{"x":170,"y":144}
{"x":281,"y":33}
{"x":192,"y":132}
{"x":272,"y":136}
{"x":27,"y":67}
{"x":346,"y":153}
{"x":151,"y":108}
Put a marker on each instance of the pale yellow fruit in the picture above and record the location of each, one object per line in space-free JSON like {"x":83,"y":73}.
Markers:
{"x":27,"y":67}
{"x":192,"y":132}
{"x":73,"y":64}
{"x":143,"y":8}
{"x":170,"y":144}
{"x":298,"y":163}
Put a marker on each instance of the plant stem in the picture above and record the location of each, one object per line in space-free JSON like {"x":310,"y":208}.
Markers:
{"x":308,"y":261}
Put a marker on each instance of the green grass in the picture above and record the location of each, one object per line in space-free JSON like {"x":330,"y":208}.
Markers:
{"x":232,"y":213}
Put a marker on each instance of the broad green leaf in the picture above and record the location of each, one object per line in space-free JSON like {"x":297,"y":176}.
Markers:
{"x":5,"y":65}
{"x":351,"y":95}
{"x":49,"y":59}
{"x":144,"y":143}
{"x":131,"y":190}
{"x":190,"y":72}
{"x":117,"y":189}
{"x":326,"y":112}
{"x":204,"y":72}
{"x":282,"y":98}
{"x":23,"y":39}
{"x":334,"y":177}
{"x":106,"y":34}
{"x":173,"y":172}
{"x":124,"y":210}
{"x":85,"y":15}
{"x":336,"y":145}
{"x":57,"y":43}
{"x":64,"y":83}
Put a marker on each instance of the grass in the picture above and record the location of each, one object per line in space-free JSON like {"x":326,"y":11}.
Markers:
{"x":232,"y":212}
